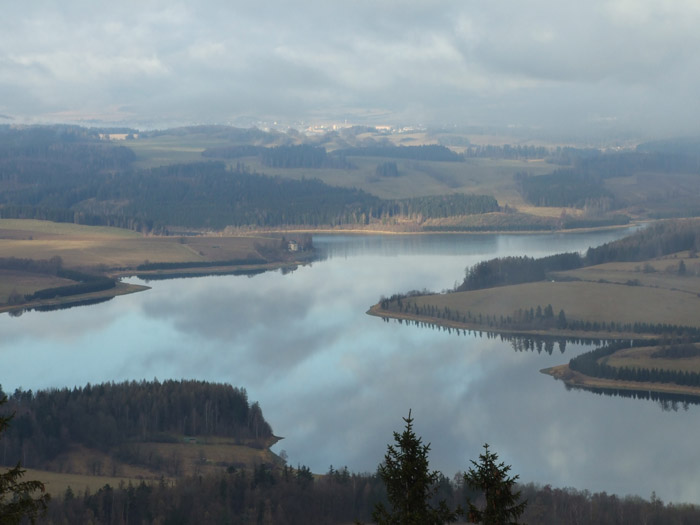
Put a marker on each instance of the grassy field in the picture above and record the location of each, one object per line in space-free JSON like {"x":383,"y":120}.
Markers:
{"x":642,"y":358}
{"x":29,"y":229}
{"x":419,"y":178}
{"x":110,"y":248}
{"x":26,"y":283}
{"x":614,"y":292}
{"x":655,"y":273}
{"x":90,"y":469}
{"x":638,"y":194}
{"x":57,"y":483}
{"x":107,"y":250}
{"x":658,"y":191}
{"x":171,"y":149}
{"x":586,"y":301}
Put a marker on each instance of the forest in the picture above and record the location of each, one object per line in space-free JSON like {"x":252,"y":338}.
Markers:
{"x":283,"y":494}
{"x":563,"y":188}
{"x":592,"y":364}
{"x":424,"y":152}
{"x":581,"y":179}
{"x":291,"y":497}
{"x":286,"y":156}
{"x":656,"y":240}
{"x":68,"y":175}
{"x":111,"y":416}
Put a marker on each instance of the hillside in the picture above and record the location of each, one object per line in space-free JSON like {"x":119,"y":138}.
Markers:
{"x":214,"y":177}
{"x":137,"y":429}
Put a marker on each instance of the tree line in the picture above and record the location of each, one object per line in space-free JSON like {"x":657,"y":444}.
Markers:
{"x":581,"y":182}
{"x":507,"y":151}
{"x":242,"y":498}
{"x":211,"y":196}
{"x":564,"y":188}
{"x":73,"y":177}
{"x":592,"y":364}
{"x":503,"y":271}
{"x":403,"y":490}
{"x":655,"y":240}
{"x":284,"y":156}
{"x":533,"y":318}
{"x":108,"y":415}
{"x":430,"y":152}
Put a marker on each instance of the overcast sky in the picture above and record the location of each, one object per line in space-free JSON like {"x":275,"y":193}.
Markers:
{"x":628,"y":65}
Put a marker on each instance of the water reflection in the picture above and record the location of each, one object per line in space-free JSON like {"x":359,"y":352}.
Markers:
{"x":520,"y":342}
{"x":336,"y":382}
{"x":56,"y":307}
{"x":147,"y":277}
{"x":668,"y":402}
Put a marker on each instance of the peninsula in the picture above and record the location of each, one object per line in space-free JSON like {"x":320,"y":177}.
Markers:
{"x":645,"y":287}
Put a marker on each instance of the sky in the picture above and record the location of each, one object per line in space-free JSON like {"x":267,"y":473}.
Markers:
{"x":623,"y":66}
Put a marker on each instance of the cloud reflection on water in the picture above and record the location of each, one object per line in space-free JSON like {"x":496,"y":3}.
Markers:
{"x":336,"y":382}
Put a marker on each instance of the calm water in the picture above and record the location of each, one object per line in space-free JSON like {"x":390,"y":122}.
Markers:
{"x":336,"y":382}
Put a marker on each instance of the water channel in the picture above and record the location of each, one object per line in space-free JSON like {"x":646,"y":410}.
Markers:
{"x":336,"y":382}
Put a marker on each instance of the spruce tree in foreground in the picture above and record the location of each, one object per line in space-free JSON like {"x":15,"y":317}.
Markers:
{"x":501,"y":505}
{"x":409,"y":483}
{"x":17,"y":500}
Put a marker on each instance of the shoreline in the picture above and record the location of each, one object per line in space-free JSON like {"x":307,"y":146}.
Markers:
{"x":119,"y":289}
{"x":389,"y":231}
{"x":563,"y":373}
{"x":575,"y":379}
{"x":376,"y":311}
{"x":125,"y":288}
{"x":211,"y":270}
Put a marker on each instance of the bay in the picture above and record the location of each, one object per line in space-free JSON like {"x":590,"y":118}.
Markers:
{"x":335,"y":382}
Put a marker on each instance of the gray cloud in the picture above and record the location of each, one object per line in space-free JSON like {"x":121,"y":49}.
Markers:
{"x":470,"y":63}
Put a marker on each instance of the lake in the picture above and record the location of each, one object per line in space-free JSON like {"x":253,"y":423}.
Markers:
{"x":335,"y":382}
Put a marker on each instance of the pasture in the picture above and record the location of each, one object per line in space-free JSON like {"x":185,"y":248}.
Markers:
{"x":417,"y":178}
{"x":619,"y":292}
{"x":90,"y":469}
{"x":106,"y":249}
{"x":642,"y":358}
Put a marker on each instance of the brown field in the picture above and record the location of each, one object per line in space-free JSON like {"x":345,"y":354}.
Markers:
{"x":641,"y":358}
{"x":86,"y":468}
{"x":619,"y":292}
{"x":586,"y":301}
{"x":664,"y":274}
{"x":113,"y":248}
{"x":26,"y":283}
{"x":108,"y":250}
{"x":57,"y":483}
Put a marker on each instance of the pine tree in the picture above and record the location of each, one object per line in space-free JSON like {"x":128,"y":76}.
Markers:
{"x":409,"y":483}
{"x":491,"y":478}
{"x":17,"y":500}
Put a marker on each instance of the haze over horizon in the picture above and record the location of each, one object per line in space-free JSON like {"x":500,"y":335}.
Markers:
{"x":598,"y":69}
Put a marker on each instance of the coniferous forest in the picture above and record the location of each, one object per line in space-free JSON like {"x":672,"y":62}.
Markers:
{"x":70,"y":174}
{"x":67,"y":174}
{"x":103,"y":415}
{"x":108,"y":415}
